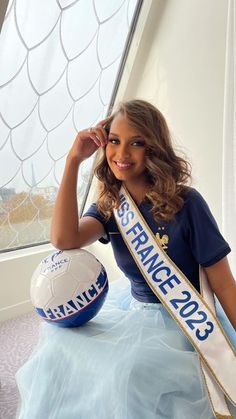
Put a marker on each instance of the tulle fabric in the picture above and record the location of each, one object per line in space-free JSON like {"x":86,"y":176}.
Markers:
{"x":130,"y":362}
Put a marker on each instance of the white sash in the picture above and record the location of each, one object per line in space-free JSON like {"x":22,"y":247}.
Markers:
{"x":194,"y":316}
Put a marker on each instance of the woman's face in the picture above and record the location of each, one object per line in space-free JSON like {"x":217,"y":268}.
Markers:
{"x":126,"y":151}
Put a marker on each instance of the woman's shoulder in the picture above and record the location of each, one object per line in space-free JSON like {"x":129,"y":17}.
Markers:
{"x":192,"y":196}
{"x":195,"y":210}
{"x":195,"y":206}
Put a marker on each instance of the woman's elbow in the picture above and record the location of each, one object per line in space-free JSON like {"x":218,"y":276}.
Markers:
{"x":62,"y":243}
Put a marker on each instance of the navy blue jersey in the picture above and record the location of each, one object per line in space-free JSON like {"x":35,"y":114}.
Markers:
{"x":191,"y":239}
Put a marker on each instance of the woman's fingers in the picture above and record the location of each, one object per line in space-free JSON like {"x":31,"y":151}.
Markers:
{"x":95,"y":139}
{"x":98,"y":134}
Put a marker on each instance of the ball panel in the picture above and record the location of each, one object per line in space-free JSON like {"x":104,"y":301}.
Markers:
{"x":63,"y":286}
{"x":84,"y":266}
{"x":41,"y":290}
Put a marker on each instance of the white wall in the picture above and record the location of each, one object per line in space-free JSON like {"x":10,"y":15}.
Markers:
{"x":177,"y":62}
{"x":16,"y":269}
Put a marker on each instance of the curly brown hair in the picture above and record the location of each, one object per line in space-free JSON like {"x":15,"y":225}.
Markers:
{"x":167,"y":173}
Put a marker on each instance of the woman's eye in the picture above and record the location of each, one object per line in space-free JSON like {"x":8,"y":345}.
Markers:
{"x":113,"y":141}
{"x":138,"y":143}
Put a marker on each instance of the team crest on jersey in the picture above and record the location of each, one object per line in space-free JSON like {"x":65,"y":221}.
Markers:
{"x":162,"y":239}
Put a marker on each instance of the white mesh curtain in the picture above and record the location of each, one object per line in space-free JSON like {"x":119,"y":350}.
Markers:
{"x":229,"y":137}
{"x":59,"y":60}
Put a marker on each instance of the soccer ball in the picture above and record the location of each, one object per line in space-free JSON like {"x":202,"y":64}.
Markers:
{"x":69,"y":287}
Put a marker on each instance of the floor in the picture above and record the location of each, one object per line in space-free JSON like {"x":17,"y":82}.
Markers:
{"x":18,"y":338}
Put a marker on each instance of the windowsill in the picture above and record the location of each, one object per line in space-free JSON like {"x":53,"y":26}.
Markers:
{"x":28,"y":251}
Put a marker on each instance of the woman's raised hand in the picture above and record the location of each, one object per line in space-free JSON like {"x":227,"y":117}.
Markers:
{"x":88,"y":141}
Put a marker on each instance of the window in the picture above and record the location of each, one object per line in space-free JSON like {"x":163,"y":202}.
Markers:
{"x":60,"y":63}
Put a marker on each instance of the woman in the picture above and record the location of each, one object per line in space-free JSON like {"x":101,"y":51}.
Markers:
{"x":133,"y":361}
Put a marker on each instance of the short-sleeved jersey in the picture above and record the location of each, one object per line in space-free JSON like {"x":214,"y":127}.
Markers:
{"x":191,"y":239}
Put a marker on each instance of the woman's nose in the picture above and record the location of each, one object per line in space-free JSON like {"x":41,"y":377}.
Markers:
{"x":124,"y":151}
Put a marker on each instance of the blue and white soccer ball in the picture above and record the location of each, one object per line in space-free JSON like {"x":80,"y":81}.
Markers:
{"x":69,"y":287}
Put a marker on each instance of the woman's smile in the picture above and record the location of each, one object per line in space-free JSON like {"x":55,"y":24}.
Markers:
{"x":123,"y":165}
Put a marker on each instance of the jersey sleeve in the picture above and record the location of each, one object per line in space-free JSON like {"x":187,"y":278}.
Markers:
{"x":207,"y":243}
{"x":93,"y":212}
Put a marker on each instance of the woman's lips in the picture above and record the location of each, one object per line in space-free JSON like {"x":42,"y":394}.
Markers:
{"x":123,"y":165}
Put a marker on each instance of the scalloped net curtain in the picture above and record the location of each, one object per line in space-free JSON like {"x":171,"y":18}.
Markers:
{"x":59,"y":61}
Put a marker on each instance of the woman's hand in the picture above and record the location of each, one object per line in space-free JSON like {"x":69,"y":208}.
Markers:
{"x":88,"y":141}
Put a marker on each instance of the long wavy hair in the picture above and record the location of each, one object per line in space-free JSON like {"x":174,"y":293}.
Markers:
{"x":167,"y":174}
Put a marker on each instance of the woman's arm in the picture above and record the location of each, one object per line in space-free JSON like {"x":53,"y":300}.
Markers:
{"x":67,"y":232}
{"x":223,"y":285}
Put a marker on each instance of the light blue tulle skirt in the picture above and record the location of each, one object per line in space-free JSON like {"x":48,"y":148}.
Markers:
{"x":130,"y":362}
